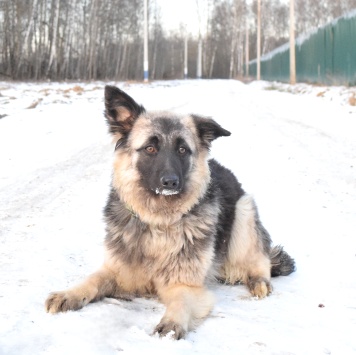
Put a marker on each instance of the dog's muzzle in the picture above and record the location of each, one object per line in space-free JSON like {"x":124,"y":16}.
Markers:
{"x":169,"y":185}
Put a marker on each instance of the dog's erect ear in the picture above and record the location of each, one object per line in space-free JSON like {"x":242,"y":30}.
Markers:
{"x":121,"y":111}
{"x":209,"y":130}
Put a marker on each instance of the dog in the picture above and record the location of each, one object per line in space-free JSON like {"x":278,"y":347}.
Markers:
{"x":175,"y":220}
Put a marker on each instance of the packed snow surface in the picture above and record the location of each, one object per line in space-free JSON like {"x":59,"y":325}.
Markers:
{"x":293,"y":149}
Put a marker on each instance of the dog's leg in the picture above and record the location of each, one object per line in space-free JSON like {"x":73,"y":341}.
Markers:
{"x":248,"y":255}
{"x":98,"y":285}
{"x":186,"y":306}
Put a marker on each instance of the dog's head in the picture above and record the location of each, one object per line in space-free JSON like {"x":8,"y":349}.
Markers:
{"x":161,"y":157}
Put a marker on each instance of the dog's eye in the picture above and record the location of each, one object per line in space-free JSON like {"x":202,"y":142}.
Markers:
{"x":182,"y":150}
{"x":151,"y":149}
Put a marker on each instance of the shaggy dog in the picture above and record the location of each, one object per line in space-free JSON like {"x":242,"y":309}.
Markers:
{"x":175,"y":220}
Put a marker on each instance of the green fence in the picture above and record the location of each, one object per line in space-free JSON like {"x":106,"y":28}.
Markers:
{"x":326,"y":56}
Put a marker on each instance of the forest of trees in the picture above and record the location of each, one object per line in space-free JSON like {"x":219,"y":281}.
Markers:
{"x":93,"y":39}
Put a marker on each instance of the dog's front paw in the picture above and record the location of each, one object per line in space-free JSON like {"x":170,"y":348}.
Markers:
{"x":64,"y":301}
{"x":165,"y":327}
{"x":259,"y":287}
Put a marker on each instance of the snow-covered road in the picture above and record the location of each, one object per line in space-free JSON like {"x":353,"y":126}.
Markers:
{"x":296,"y":153}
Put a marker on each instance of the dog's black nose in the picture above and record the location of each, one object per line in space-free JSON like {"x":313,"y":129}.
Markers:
{"x":170,"y":181}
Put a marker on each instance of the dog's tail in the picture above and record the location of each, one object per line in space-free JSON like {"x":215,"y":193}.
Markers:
{"x":281,"y":263}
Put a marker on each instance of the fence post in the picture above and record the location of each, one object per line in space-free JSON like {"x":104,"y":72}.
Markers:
{"x":145,"y":42}
{"x":259,"y":40}
{"x":292,"y":66}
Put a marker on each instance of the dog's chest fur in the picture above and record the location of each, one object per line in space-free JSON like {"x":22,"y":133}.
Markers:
{"x":182,"y":252}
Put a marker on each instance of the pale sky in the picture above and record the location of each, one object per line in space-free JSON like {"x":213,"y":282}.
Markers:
{"x":176,"y":12}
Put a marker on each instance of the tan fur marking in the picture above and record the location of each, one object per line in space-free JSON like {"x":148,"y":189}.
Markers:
{"x":123,"y":113}
{"x":186,"y":306}
{"x":260,"y":288}
{"x":163,"y":245}
{"x":245,"y":257}
{"x":100,"y":284}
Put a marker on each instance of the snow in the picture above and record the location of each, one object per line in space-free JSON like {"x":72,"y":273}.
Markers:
{"x":293,"y":148}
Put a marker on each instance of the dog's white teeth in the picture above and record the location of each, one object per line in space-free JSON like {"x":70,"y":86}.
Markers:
{"x":166,"y":192}
{"x":169,"y":192}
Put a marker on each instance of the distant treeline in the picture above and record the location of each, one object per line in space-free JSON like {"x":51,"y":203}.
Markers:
{"x":93,"y":39}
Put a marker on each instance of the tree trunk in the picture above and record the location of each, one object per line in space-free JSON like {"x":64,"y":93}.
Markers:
{"x":27,"y":34}
{"x":212,"y":62}
{"x":232,"y":54}
{"x":53,"y":50}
